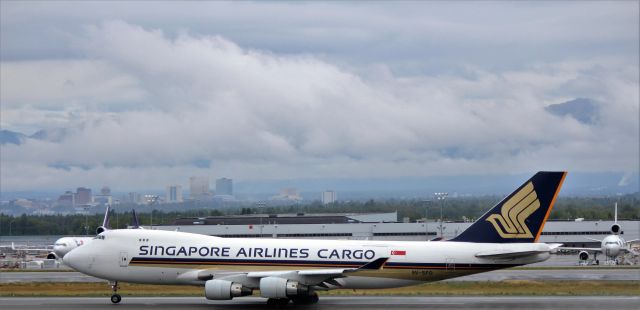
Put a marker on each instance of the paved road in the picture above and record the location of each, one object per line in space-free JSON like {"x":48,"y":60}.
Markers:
{"x":498,"y":275}
{"x":397,"y":303}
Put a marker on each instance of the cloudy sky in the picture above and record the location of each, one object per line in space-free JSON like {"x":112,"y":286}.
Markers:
{"x":141,"y":95}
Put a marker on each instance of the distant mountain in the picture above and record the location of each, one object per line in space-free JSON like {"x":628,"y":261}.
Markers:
{"x":583,"y":110}
{"x":51,"y":135}
{"x":11,"y":137}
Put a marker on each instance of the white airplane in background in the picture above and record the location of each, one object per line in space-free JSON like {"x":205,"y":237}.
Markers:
{"x":611,"y":246}
{"x":64,"y":245}
{"x":295,"y":269}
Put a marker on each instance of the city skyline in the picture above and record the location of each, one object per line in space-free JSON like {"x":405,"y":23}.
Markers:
{"x":103,"y":93}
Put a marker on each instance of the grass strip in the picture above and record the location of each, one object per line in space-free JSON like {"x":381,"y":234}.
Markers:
{"x":500,"y":288}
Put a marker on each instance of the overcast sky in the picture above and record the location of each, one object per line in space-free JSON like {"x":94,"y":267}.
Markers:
{"x":152,"y":93}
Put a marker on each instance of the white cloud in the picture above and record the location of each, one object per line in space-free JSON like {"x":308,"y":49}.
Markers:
{"x":146,"y":106}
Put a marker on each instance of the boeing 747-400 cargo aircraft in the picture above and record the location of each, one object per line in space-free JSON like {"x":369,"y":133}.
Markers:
{"x":287,"y":270}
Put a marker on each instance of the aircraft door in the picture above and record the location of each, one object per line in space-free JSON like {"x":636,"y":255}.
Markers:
{"x":451,"y":264}
{"x":124,"y":259}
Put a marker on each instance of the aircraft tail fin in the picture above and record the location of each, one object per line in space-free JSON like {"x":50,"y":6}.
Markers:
{"x":520,"y":216}
{"x":105,"y":221}
{"x":135,"y":224}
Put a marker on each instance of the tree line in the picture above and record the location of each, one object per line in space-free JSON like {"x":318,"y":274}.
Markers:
{"x":453,"y":209}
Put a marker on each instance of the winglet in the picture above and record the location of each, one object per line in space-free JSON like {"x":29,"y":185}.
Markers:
{"x":375,"y":264}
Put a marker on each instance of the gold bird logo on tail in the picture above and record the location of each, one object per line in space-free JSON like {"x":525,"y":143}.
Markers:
{"x":514,"y":212}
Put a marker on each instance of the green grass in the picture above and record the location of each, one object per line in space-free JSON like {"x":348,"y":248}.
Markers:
{"x":629,"y":267}
{"x":501,"y":288}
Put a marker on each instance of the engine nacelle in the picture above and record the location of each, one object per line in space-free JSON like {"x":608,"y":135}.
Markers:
{"x":615,"y":229}
{"x":52,"y":255}
{"x":583,"y":255}
{"x":100,"y":230}
{"x":221,"y":290}
{"x":273,"y":287}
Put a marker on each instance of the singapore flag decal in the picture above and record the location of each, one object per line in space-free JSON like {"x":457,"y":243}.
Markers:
{"x":399,"y":252}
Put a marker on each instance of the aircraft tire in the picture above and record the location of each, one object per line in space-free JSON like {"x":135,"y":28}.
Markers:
{"x":306,"y":300}
{"x":116,"y":298}
{"x":277,"y":302}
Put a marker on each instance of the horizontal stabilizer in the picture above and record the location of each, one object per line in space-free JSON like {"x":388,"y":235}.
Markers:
{"x":508,"y":254}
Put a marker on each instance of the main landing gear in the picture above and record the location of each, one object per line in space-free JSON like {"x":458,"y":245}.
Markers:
{"x":306,"y":300}
{"x":277,"y":302}
{"x":298,"y":300}
{"x":115,"y":298}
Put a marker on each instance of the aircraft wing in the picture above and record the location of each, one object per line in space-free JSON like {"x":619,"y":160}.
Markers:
{"x":596,"y":250}
{"x":307,"y":276}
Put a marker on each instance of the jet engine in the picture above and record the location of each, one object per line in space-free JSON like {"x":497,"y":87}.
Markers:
{"x":100,"y":230}
{"x":221,"y":289}
{"x":52,"y":255}
{"x":615,"y":229}
{"x":583,"y":255}
{"x":273,"y":287}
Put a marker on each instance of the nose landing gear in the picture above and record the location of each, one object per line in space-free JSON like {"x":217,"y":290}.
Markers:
{"x":115,"y":298}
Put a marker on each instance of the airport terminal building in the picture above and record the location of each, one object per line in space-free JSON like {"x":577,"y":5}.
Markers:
{"x":380,"y":226}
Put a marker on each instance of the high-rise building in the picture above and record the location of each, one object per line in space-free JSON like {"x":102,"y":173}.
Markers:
{"x":67,"y":199}
{"x":134,"y":197}
{"x":173,"y":193}
{"x":104,"y":198}
{"x":83,"y":196}
{"x":328,"y":197}
{"x":224,"y":186}
{"x":199,"y":188}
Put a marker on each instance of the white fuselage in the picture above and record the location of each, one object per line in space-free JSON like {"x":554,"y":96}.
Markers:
{"x":163,"y":257}
{"x":64,"y":245}
{"x":612,"y":245}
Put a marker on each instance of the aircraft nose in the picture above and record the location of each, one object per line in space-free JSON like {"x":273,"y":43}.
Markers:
{"x":58,"y":250}
{"x":70,"y":259}
{"x":67,"y":260}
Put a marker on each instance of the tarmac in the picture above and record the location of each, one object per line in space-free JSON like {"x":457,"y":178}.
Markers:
{"x":386,"y":302}
{"x":588,"y":274}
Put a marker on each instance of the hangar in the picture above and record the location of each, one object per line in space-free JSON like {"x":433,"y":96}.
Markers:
{"x":380,"y":226}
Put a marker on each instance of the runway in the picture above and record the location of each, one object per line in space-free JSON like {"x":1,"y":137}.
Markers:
{"x":594,"y":274}
{"x":387,"y":302}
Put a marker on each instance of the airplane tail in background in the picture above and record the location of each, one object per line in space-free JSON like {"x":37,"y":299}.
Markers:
{"x":105,"y":221}
{"x":520,"y":216}
{"x":135,"y":224}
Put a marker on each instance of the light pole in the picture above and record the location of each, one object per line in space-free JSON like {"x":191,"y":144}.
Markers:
{"x":86,"y":221}
{"x":441,"y":197}
{"x":427,"y":204}
{"x":10,"y":223}
{"x":260,"y":206}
